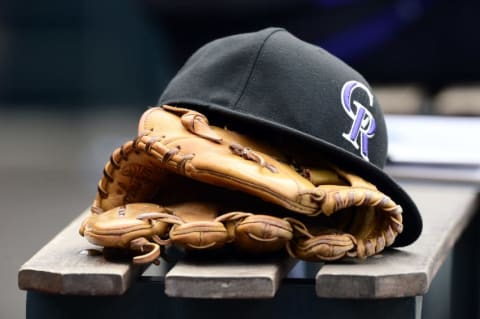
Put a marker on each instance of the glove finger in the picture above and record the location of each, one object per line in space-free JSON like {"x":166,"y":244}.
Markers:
{"x":200,"y":235}
{"x":200,"y":229}
{"x":123,"y":226}
{"x":325,"y":247}
{"x":262,"y":233}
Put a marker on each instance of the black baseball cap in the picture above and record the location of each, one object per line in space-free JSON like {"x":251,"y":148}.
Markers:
{"x":296,"y":96}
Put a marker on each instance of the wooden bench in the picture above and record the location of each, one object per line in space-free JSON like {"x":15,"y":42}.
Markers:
{"x":64,"y":278}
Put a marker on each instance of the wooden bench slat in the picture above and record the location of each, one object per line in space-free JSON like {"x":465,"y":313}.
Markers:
{"x":407,"y":271}
{"x":227,"y":279}
{"x":64,"y":266}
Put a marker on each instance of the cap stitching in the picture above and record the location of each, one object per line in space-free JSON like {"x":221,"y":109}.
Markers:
{"x":253,"y":66}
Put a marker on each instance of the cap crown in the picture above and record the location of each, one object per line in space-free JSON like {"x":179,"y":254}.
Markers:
{"x":273,"y":78}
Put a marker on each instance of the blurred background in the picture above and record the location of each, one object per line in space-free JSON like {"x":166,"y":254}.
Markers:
{"x":76,"y":75}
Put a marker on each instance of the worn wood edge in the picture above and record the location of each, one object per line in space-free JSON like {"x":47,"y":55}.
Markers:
{"x":370,"y":280}
{"x":60,"y":268}
{"x":389,"y":275}
{"x":449,"y":241}
{"x":371,"y":287}
{"x":227,"y":279}
{"x":56,"y":283}
{"x":92,"y":284}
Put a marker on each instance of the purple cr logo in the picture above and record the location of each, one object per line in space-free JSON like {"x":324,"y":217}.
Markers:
{"x":363,"y":123}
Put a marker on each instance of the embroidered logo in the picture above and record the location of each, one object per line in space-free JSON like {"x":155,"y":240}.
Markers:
{"x":363,"y":124}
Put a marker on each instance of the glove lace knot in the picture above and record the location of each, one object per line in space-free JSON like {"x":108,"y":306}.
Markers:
{"x":250,"y":155}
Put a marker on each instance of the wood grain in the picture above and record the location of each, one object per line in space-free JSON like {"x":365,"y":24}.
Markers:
{"x":227,"y":279}
{"x":68,"y":264}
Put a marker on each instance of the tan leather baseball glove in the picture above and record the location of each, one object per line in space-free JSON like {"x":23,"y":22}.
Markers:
{"x":185,"y":182}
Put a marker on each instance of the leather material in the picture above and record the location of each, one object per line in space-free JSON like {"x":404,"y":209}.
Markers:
{"x":213,"y":187}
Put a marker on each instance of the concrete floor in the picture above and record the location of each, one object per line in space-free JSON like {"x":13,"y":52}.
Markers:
{"x":49,"y":167}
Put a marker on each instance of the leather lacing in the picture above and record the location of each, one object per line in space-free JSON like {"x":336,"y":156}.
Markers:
{"x":341,"y":243}
{"x":153,"y":248}
{"x":122,"y":153}
{"x":250,"y":155}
